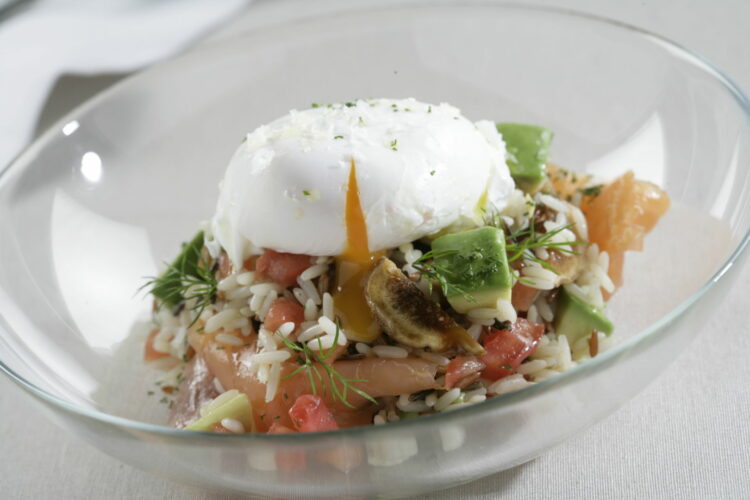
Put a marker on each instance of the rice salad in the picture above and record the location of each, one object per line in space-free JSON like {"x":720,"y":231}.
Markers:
{"x":429,"y":297}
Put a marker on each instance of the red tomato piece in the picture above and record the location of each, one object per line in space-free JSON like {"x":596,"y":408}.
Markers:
{"x":281,"y":268}
{"x":506,"y":350}
{"x":149,"y":353}
{"x":310,"y":414}
{"x":462,"y":371}
{"x":283,"y":311}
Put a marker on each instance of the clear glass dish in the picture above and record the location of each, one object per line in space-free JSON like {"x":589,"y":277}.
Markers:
{"x":110,"y":192}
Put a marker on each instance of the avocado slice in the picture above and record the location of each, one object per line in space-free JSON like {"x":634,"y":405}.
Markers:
{"x":236,"y":407}
{"x":167,"y":286}
{"x":575,"y":319}
{"x":528,"y":149}
{"x":475,"y":266}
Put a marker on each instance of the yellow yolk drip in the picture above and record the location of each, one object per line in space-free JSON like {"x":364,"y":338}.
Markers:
{"x":352,"y":269}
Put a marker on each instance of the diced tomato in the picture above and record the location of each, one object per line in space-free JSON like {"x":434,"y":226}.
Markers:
{"x":506,"y":350}
{"x":281,"y":268}
{"x":310,"y":414}
{"x":283,"y":311}
{"x":522,"y":296}
{"x":462,"y":371}
{"x":149,"y":353}
{"x":288,"y":460}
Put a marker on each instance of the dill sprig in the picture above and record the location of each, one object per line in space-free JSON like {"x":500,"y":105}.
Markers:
{"x":189,"y":280}
{"x":527,"y":239}
{"x":312,"y":361}
{"x":427,"y":267}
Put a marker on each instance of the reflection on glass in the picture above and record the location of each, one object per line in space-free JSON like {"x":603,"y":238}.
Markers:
{"x":91,"y":167}
{"x":99,"y":264}
{"x":70,"y":127}
{"x":643,"y":153}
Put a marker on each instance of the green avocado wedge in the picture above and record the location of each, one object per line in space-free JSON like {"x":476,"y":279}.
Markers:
{"x":478,"y":265}
{"x":527,"y":147}
{"x":236,"y":407}
{"x":575,"y":319}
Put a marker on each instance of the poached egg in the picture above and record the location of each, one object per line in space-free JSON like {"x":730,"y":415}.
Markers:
{"x":417,"y":168}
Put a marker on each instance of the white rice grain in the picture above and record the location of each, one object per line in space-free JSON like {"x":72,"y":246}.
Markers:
{"x":313,"y":272}
{"x":446,"y":399}
{"x":228,"y":283}
{"x":300,"y":295}
{"x":532,"y":314}
{"x":311,"y":310}
{"x":286,"y":329}
{"x":219,"y":320}
{"x":228,"y":339}
{"x":217,"y":385}
{"x":532,"y":366}
{"x":544,"y":309}
{"x":246,"y":279}
{"x":328,"y":306}
{"x":239,"y":293}
{"x":265,"y":288}
{"x":508,"y":384}
{"x":482,"y":313}
{"x":553,"y":203}
{"x":321,"y":343}
{"x":431,"y":399}
{"x":310,"y":333}
{"x":505,"y":311}
{"x":232,"y":425}
{"x":274,"y":376}
{"x":309,"y":290}
{"x":432,"y":357}
{"x":328,"y":326}
{"x":363,"y":348}
{"x":579,"y":220}
{"x":272,"y":295}
{"x":390,"y":351}
{"x":475,"y":330}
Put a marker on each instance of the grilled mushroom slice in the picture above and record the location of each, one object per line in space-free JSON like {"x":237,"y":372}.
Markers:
{"x":408,"y":316}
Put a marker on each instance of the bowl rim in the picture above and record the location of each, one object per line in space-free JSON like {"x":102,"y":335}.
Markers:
{"x":600,"y":362}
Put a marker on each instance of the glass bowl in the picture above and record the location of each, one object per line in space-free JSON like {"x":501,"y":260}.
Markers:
{"x":109,"y":193}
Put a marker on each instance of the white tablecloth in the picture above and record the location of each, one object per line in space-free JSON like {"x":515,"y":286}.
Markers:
{"x":686,"y":436}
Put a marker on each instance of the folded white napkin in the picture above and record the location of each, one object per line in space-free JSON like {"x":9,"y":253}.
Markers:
{"x":55,"y":37}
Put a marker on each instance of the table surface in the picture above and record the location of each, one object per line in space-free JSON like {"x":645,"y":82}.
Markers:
{"x":685,"y":436}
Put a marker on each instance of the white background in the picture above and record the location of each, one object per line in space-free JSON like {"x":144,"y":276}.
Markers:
{"x":686,"y":436}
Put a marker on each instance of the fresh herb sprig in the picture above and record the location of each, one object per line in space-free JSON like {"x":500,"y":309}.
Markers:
{"x":190,"y":279}
{"x":527,"y":239}
{"x":428,"y":267}
{"x":312,"y":362}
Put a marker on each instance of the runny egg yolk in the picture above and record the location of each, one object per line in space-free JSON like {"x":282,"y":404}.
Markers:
{"x":352,"y":268}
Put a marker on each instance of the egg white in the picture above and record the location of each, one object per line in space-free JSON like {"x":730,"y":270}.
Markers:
{"x":420,"y":168}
